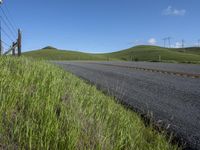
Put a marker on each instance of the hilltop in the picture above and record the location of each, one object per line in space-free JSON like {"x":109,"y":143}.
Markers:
{"x":50,"y":47}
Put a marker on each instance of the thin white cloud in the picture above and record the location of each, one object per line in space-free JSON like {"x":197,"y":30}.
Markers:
{"x":170,"y":11}
{"x":152,"y":41}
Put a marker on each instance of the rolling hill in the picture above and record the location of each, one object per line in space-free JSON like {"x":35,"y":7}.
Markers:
{"x":50,"y":53}
{"x":138,"y":53}
{"x":190,"y":50}
{"x":154,"y":53}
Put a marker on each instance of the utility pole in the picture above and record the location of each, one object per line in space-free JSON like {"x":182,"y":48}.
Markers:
{"x":183,"y":44}
{"x":19,"y":42}
{"x":169,"y":41}
{"x":164,"y":41}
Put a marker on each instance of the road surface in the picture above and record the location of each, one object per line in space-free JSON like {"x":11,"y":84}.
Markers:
{"x":171,"y":96}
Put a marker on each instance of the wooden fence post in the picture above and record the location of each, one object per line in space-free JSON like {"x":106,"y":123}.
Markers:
{"x":19,"y":42}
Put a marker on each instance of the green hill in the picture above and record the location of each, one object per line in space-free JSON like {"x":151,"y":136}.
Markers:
{"x":153,"y":53}
{"x":50,"y":53}
{"x":138,"y":53}
{"x":190,"y":50}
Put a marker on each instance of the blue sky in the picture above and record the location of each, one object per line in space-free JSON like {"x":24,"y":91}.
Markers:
{"x":104,"y":25}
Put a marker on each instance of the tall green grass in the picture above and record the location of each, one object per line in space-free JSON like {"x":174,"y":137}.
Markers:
{"x":43,"y":107}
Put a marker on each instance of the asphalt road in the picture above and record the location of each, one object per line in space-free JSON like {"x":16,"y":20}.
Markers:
{"x":172,"y":100}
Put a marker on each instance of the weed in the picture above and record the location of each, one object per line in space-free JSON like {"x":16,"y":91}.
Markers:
{"x":44,"y":107}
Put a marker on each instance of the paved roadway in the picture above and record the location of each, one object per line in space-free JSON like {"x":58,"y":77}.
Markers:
{"x":173,"y":99}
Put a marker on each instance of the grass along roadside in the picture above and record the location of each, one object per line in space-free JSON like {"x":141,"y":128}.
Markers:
{"x":44,"y":107}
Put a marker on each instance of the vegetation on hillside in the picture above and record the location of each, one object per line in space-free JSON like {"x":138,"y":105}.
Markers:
{"x":190,"y":50}
{"x":50,"y":47}
{"x":54,"y":54}
{"x":43,"y":107}
{"x":138,"y":53}
{"x":155,"y":53}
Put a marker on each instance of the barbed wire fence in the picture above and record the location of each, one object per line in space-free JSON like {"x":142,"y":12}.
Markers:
{"x":10,"y":34}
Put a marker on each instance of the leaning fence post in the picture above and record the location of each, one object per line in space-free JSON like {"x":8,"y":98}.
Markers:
{"x":13,"y":49}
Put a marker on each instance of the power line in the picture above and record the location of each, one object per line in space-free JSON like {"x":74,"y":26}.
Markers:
{"x":5,"y":43}
{"x":13,"y":34}
{"x":5,"y":48}
{"x":11,"y":18}
{"x":7,"y":34}
{"x":9,"y":25}
{"x":7,"y":19}
{"x":169,"y":41}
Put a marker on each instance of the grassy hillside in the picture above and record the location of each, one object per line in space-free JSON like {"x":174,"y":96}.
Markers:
{"x":43,"y":107}
{"x":152,"y":53}
{"x":55,"y":54}
{"x":190,"y":50}
{"x":139,"y":53}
